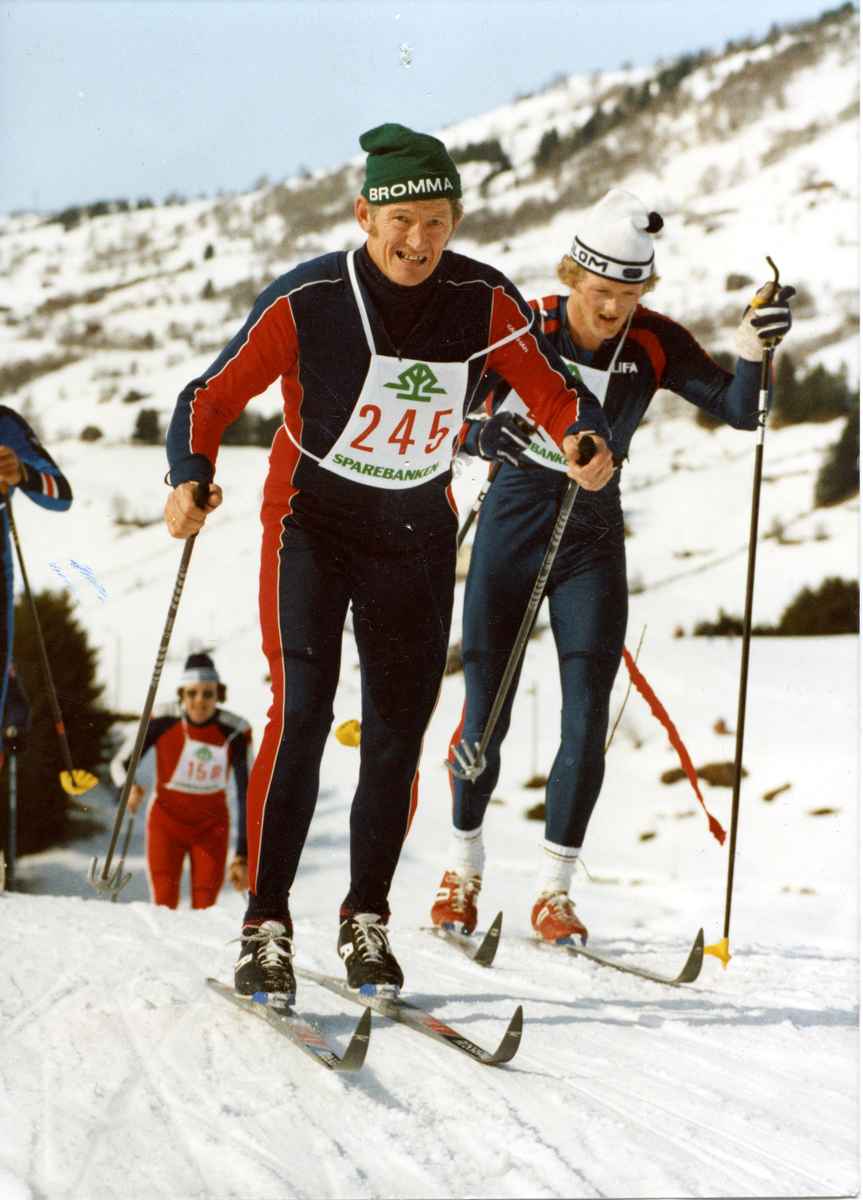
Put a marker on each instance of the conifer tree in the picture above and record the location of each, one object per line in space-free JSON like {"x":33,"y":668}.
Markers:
{"x":44,"y":809}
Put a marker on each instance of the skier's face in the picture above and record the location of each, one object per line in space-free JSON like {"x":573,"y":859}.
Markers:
{"x":199,"y":701}
{"x":598,"y":308}
{"x":406,"y":240}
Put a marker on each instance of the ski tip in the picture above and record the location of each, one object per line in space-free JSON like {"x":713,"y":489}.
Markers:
{"x":692,"y":967}
{"x":510,"y":1041}
{"x":487,"y":948}
{"x":355,"y":1055}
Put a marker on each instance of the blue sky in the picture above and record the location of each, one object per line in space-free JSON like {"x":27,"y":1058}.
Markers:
{"x":109,"y":99}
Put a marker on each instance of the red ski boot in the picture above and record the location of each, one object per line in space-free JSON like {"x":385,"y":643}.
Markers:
{"x":554,"y":920}
{"x":455,"y":903}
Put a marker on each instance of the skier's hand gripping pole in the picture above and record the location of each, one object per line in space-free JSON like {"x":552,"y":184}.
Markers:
{"x":203,"y":499}
{"x":469,"y":764}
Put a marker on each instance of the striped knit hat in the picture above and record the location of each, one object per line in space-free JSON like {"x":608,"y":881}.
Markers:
{"x":614,"y":240}
{"x":199,"y":668}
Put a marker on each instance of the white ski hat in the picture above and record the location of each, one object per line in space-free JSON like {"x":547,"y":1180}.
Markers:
{"x":615,"y":240}
{"x":199,"y":668}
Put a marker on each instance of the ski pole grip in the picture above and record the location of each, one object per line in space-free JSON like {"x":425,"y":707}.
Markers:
{"x":201,"y":494}
{"x":757,"y":300}
{"x":586,"y":449}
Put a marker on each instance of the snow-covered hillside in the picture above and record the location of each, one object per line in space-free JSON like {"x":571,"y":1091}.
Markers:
{"x":752,"y":153}
{"x":120,"y":1074}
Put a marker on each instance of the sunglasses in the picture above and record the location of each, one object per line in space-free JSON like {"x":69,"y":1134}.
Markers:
{"x":204,"y":693}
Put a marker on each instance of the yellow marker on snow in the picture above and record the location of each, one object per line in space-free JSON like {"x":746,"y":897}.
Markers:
{"x":720,"y":951}
{"x":348,"y":733}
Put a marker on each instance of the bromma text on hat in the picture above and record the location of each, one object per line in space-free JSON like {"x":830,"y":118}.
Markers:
{"x":404,"y":165}
{"x":615,"y":240}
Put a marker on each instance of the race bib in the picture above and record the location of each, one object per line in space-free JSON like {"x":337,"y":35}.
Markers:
{"x":400,"y":433}
{"x":202,"y":768}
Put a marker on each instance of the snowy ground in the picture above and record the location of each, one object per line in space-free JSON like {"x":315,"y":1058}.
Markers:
{"x":120,"y":1074}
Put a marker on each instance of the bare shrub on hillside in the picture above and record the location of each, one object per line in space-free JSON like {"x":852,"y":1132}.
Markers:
{"x":230,"y":219}
{"x":93,"y":336}
{"x":313,"y":205}
{"x":241,"y":296}
{"x":745,"y":94}
{"x":17,"y":375}
{"x":585,"y":179}
{"x":790,"y":139}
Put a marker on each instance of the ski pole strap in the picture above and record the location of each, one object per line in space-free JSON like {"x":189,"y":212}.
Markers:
{"x":642,"y":686}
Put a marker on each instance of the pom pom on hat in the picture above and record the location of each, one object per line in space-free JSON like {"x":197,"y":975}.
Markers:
{"x":614,"y":241}
{"x":404,"y":165}
{"x":199,"y":668}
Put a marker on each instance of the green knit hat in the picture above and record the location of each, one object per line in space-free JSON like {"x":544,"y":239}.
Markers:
{"x":403,"y":165}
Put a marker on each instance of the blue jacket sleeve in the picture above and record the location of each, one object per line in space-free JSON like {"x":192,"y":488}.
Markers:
{"x":42,"y":480}
{"x":692,"y":374}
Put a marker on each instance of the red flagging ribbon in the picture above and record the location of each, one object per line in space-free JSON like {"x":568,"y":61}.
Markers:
{"x":662,"y":716}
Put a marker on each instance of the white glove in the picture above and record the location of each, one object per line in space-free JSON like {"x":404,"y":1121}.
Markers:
{"x":765,"y":323}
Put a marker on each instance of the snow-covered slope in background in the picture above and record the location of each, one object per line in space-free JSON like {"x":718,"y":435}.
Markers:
{"x":755,"y":153}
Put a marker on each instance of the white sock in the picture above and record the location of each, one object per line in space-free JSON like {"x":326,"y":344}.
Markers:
{"x":556,"y":868}
{"x":467,"y":855}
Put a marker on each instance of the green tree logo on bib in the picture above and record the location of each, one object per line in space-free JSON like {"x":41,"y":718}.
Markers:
{"x":204,"y":754}
{"x":417,"y":383}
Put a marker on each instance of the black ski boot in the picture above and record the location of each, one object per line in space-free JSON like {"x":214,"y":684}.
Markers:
{"x":365,"y":950}
{"x":265,"y":962}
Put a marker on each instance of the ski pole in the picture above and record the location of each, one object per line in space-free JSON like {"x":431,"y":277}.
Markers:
{"x":477,"y":504}
{"x":13,"y":821}
{"x":73,"y":781}
{"x":473,"y":762}
{"x":123,"y":852}
{"x":110,"y":881}
{"x":720,"y":949}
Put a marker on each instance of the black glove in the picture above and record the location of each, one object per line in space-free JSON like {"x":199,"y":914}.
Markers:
{"x":504,"y":436}
{"x":764,"y":323}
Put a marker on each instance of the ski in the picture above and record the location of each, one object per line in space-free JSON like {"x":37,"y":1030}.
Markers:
{"x":405,"y":1013}
{"x":690,"y":972}
{"x":484,"y":953}
{"x":298,"y":1031}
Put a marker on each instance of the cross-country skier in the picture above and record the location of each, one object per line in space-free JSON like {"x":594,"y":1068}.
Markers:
{"x":25,"y":466}
{"x":380,"y":351}
{"x":624,"y":353}
{"x":195,"y":746}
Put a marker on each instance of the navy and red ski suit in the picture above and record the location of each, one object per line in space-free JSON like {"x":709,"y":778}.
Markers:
{"x":335,"y":540}
{"x":192,"y":817}
{"x":43,"y":482}
{"x":587,"y":589}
